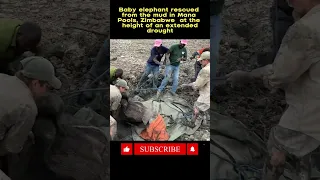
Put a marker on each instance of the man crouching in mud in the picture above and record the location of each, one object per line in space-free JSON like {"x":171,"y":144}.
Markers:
{"x":296,"y":70}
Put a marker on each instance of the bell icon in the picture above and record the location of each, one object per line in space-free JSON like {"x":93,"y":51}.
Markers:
{"x":192,"y":149}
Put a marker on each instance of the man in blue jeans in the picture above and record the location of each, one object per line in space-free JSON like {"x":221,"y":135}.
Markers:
{"x":215,"y":35}
{"x":176,"y":54}
{"x":154,"y":62}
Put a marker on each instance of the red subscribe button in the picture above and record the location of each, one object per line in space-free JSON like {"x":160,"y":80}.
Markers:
{"x":160,"y":149}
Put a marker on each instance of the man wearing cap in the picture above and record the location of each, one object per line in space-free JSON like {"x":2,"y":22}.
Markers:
{"x":202,"y":84}
{"x":116,"y":92}
{"x":18,"y":109}
{"x":197,"y":65}
{"x":16,"y":38}
{"x":176,"y":54}
{"x":154,"y":61}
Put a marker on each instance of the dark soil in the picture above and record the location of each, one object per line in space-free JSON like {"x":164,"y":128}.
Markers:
{"x":247,"y":32}
{"x":55,"y":18}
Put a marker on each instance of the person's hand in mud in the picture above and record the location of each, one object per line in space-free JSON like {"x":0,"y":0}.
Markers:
{"x":238,"y":77}
{"x":190,"y":85}
{"x":278,"y":158}
{"x":195,"y":111}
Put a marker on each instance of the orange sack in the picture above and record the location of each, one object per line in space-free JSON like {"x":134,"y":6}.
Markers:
{"x":156,"y":131}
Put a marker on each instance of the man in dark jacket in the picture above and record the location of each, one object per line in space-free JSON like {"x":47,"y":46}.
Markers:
{"x":281,"y":20}
{"x":215,"y":34}
{"x":16,"y":38}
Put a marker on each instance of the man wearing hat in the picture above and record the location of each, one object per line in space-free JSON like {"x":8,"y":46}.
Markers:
{"x":154,"y":61}
{"x":116,"y":91}
{"x":202,"y":84}
{"x":176,"y":54}
{"x":197,"y":65}
{"x":18,"y":109}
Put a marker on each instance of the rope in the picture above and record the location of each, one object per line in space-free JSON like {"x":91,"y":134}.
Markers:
{"x":240,"y":169}
{"x":141,"y":85}
{"x":98,"y":78}
{"x":76,"y":93}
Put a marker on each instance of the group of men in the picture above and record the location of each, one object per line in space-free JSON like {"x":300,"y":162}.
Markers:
{"x":172,"y":58}
{"x":25,"y":79}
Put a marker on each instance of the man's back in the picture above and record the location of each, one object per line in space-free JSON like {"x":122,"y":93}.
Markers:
{"x":17,"y":112}
{"x":115,"y":97}
{"x":8,"y":29}
{"x":14,"y":92}
{"x":203,"y":84}
{"x":301,"y":48}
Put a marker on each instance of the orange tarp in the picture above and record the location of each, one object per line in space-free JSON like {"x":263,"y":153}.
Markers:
{"x":156,"y":131}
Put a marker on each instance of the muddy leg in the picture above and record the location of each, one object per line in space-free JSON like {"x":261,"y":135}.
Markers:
{"x":144,"y":76}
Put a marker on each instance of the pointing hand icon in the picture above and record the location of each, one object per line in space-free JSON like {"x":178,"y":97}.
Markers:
{"x":126,"y":149}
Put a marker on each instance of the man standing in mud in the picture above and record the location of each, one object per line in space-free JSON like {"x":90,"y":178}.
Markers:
{"x":295,"y":70}
{"x":116,"y":92}
{"x":176,"y":54}
{"x":281,"y":20}
{"x":216,"y":7}
{"x":16,"y":38}
{"x":100,"y":65}
{"x":202,"y":84}
{"x":154,"y":61}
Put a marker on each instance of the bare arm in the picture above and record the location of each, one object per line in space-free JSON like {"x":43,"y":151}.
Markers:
{"x":155,"y":60}
{"x":167,"y":56}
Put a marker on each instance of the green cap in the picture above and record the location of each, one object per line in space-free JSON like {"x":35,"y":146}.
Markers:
{"x":122,"y":83}
{"x":39,"y":68}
